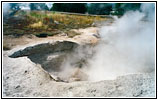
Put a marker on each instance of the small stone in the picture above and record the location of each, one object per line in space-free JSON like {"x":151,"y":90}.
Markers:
{"x":7,"y":77}
{"x":70,"y":87}
{"x":17,"y":86}
{"x":25,"y":71}
{"x":93,"y":90}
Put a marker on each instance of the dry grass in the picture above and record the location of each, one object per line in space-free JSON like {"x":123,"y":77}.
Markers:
{"x":75,"y":21}
{"x":6,"y":47}
{"x":36,"y":22}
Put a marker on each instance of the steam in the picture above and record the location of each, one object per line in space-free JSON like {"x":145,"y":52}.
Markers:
{"x":126,"y":47}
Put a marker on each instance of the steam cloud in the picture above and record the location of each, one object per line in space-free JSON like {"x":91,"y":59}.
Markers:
{"x":126,"y":47}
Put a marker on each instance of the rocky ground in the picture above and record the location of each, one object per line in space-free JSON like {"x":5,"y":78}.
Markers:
{"x":24,"y":77}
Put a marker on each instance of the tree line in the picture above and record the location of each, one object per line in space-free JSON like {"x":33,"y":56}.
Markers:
{"x":90,"y":8}
{"x":96,"y":8}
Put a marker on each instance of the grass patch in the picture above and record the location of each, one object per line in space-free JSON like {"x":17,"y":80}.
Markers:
{"x":36,"y":22}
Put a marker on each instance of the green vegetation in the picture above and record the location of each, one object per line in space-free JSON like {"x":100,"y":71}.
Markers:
{"x":121,"y":8}
{"x":14,"y":6}
{"x":32,"y":6}
{"x":100,"y":8}
{"x":70,"y":7}
{"x":96,"y":8}
{"x":91,"y":8}
{"x":38,"y":6}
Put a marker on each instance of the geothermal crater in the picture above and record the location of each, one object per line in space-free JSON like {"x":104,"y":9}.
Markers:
{"x":59,"y":59}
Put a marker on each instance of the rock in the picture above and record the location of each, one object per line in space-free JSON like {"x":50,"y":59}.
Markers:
{"x":25,"y":71}
{"x":18,"y":86}
{"x":74,"y":79}
{"x":96,"y":35}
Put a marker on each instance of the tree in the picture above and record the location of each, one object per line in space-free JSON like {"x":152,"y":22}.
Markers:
{"x":38,"y":6}
{"x":131,"y":6}
{"x":14,"y":6}
{"x":33,"y":6}
{"x":70,"y":7}
{"x":100,"y":8}
{"x":57,"y":7}
{"x":121,"y":8}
